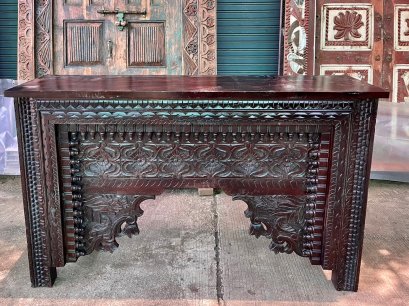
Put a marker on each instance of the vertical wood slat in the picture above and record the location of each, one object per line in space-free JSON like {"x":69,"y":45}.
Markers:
{"x":83,"y":43}
{"x":146,"y":44}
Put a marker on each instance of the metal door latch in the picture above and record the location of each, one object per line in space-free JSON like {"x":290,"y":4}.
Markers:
{"x":120,"y":16}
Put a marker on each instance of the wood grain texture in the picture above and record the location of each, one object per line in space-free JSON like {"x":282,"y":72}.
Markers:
{"x":202,"y":87}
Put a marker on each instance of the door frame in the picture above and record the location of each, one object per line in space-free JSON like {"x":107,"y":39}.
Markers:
{"x":35,"y":38}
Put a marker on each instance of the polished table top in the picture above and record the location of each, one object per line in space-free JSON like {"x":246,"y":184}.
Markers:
{"x":197,"y":87}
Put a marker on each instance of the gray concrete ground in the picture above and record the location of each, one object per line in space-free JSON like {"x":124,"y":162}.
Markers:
{"x":174,"y":261}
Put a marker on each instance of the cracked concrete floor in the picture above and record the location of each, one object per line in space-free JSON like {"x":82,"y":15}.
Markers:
{"x":174,"y":261}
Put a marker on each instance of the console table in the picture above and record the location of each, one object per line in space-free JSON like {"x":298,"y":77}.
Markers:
{"x":297,"y":150}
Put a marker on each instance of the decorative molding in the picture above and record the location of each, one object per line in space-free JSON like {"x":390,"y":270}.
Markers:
{"x":163,"y":154}
{"x":42,"y":275}
{"x":26,"y":64}
{"x":297,"y":42}
{"x":359,"y":72}
{"x":43,"y":49}
{"x":401,"y":27}
{"x":347,"y":27}
{"x":349,"y":250}
{"x":199,"y":37}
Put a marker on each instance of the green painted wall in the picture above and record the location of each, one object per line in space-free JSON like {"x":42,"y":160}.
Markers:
{"x":8,"y":39}
{"x":248,"y":36}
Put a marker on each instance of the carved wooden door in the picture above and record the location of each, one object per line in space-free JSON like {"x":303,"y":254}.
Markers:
{"x":117,"y":37}
{"x":395,"y":69}
{"x":349,"y":39}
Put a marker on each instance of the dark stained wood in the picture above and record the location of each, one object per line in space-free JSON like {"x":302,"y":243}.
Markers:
{"x":297,"y":150}
{"x":200,"y":87}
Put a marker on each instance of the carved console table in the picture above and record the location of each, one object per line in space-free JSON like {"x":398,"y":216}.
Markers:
{"x":296,"y":150}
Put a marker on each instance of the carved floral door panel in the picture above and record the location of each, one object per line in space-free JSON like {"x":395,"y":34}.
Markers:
{"x":368,"y":40}
{"x":349,"y":39}
{"x":117,"y":37}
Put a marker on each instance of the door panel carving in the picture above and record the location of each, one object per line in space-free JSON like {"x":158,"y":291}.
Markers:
{"x":349,"y":39}
{"x":83,"y":43}
{"x":146,"y":45}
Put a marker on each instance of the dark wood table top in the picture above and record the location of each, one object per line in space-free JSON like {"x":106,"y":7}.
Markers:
{"x":197,"y":87}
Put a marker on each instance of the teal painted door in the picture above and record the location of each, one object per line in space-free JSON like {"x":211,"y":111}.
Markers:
{"x":8,"y":39}
{"x":248,"y":34}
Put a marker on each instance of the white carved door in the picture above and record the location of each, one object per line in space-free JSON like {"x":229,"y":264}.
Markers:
{"x":349,"y":39}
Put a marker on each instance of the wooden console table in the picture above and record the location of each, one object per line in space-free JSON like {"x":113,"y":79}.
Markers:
{"x":297,"y":150}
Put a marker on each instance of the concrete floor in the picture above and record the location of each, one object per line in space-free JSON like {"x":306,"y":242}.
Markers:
{"x":174,"y":261}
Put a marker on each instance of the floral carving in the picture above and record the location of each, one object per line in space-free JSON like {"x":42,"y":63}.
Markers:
{"x":108,"y":216}
{"x":407,"y":23}
{"x":348,"y":24}
{"x":280,"y":218}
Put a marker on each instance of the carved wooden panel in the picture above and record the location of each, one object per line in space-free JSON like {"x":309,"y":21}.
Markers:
{"x":401,"y":83}
{"x":83,"y":42}
{"x":359,"y":72}
{"x":347,"y":27}
{"x":349,"y":39}
{"x":199,"y":37}
{"x":401,"y":27}
{"x":146,"y":44}
{"x":298,"y":51}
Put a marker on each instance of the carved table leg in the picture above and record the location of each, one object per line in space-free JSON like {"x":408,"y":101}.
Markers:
{"x":345,"y":274}
{"x":41,"y":274}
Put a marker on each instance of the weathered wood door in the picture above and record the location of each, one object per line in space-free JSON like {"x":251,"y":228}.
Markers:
{"x":117,"y":37}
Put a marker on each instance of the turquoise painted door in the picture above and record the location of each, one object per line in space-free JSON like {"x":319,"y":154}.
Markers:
{"x":8,"y":39}
{"x":248,"y":37}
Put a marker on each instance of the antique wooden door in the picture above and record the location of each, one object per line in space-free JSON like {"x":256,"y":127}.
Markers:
{"x":117,"y":37}
{"x":395,"y":69}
